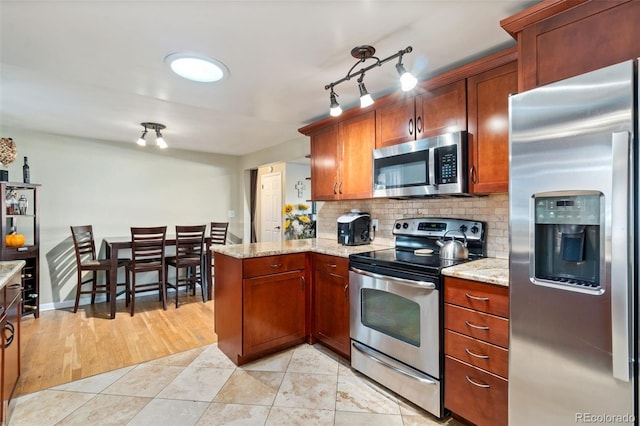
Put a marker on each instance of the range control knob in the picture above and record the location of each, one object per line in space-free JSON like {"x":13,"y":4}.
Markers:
{"x":474,"y":229}
{"x":405,"y":225}
{"x":398,"y":226}
{"x":463,"y":228}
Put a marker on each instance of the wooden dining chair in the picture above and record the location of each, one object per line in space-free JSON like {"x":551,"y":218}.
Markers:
{"x":189,"y":257}
{"x":147,"y":255}
{"x":87,"y":261}
{"x":218,"y":232}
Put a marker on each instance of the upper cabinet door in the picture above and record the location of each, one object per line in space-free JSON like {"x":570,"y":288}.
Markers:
{"x":488,"y":109}
{"x":357,"y":142}
{"x":442,"y":110}
{"x":324,"y":164}
{"x":396,"y":122}
{"x":436,"y":111}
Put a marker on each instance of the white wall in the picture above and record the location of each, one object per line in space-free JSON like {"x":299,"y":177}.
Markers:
{"x":113,"y":187}
{"x":296,"y":173}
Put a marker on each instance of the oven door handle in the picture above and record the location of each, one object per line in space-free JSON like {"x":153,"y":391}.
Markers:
{"x":362,"y":349}
{"x":417,"y":284}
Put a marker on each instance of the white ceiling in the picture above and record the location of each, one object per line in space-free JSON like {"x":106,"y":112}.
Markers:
{"x":95,"y":69}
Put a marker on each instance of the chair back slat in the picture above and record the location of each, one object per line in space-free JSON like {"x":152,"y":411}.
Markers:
{"x":190,"y":241}
{"x":83,"y":243}
{"x":219,"y":232}
{"x":148,"y":243}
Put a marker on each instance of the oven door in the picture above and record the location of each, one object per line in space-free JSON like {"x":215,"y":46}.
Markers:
{"x":398,"y":317}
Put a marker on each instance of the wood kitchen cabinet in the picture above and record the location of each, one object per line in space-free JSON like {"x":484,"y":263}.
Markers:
{"x":402,"y":118}
{"x":488,"y":122}
{"x":476,"y":343}
{"x":261,"y":304}
{"x":331,"y":302}
{"x":341,"y":162}
{"x":558,"y":39}
{"x":10,"y":302}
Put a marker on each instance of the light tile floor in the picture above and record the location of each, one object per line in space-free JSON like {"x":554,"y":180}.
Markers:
{"x":305,"y":385}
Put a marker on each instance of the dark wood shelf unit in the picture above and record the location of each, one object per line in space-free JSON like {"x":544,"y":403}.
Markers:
{"x":27,"y":224}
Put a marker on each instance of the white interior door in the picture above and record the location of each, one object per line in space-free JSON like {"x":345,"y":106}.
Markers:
{"x":270,"y":206}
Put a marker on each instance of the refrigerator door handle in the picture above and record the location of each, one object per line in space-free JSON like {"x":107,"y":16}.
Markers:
{"x":620,"y":299}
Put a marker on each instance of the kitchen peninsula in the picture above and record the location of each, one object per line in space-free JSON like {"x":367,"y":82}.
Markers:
{"x":266,"y":298}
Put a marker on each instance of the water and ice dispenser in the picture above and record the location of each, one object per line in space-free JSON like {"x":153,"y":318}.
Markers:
{"x":566,"y":249}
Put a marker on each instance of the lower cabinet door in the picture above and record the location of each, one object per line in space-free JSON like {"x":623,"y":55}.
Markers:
{"x":274,"y":311}
{"x":474,"y":394}
{"x":331,"y":299}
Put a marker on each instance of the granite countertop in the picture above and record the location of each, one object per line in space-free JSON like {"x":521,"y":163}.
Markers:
{"x":8,"y":269}
{"x":315,"y":245}
{"x":488,"y":270}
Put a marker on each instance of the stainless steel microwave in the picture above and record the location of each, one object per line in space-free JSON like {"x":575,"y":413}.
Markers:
{"x":431,"y":166}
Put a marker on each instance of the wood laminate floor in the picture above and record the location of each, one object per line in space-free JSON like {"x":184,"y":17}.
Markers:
{"x":61,"y":346}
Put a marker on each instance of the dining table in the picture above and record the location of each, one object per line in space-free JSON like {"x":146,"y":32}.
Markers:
{"x":113,"y":247}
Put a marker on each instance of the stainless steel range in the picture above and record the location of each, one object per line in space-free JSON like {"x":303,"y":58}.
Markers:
{"x":396,"y":307}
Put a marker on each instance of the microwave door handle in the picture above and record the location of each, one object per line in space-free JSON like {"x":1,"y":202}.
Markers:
{"x":432,"y":167}
{"x":620,"y":302}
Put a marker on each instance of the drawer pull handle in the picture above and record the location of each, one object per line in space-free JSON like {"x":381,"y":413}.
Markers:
{"x":332,"y":265}
{"x":482,"y":299}
{"x":276,"y":265}
{"x":476,"y":355}
{"x":479,"y":327}
{"x":480,"y":385}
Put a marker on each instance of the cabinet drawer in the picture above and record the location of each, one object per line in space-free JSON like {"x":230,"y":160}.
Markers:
{"x":478,"y":325}
{"x":475,"y":395}
{"x":268,"y":265}
{"x":479,"y":296}
{"x":332,"y":264}
{"x":477,"y":353}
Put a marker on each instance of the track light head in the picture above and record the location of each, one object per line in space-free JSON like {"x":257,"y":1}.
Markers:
{"x":407,"y":80}
{"x":365,"y":97}
{"x":141,"y":140}
{"x":334,"y":109}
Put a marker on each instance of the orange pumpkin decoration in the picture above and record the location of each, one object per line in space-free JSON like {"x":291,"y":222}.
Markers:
{"x":14,"y":240}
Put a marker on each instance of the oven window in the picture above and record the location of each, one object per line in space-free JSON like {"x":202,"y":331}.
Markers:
{"x":392,"y":315}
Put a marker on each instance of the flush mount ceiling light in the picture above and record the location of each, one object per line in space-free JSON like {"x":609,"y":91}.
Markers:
{"x":362,"y":53}
{"x":153,"y":126}
{"x":196,"y":67}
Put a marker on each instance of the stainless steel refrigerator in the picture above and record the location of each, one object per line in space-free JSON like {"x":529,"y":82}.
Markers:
{"x":573,"y":211}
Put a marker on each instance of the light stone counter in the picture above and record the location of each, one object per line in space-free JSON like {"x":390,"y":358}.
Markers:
{"x":488,"y":270}
{"x":8,"y":269}
{"x":315,"y":245}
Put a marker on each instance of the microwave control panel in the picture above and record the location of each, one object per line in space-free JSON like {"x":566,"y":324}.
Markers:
{"x":446,"y":162}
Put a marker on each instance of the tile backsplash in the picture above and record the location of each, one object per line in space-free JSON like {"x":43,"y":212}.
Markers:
{"x":492,"y":209}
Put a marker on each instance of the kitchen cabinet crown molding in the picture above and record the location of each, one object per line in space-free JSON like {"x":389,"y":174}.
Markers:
{"x":541,"y":11}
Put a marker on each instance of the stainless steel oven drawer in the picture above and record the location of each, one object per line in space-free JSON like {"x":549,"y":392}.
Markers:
{"x":417,"y":387}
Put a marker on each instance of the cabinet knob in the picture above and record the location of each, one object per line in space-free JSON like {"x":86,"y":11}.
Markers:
{"x":335,"y":185}
{"x":473,"y":174}
{"x":411,"y":126}
{"x":418,"y":125}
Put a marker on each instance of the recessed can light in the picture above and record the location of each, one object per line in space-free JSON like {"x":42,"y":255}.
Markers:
{"x":197,"y":67}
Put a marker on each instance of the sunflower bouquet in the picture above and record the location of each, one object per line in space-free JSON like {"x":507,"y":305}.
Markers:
{"x":297,"y":223}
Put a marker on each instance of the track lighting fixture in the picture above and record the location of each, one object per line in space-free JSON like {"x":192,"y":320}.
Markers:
{"x":363,"y":53}
{"x":160,"y":142}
